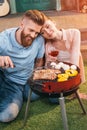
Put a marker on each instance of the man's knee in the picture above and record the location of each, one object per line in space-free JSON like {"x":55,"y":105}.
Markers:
{"x":10,"y":113}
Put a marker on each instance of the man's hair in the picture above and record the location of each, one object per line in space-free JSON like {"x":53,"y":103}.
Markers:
{"x":36,"y":16}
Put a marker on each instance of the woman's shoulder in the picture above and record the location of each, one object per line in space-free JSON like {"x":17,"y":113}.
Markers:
{"x":72,"y":30}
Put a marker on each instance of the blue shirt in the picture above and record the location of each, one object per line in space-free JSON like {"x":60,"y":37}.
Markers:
{"x":22,"y":57}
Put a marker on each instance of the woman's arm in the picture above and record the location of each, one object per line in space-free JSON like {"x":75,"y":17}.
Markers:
{"x":75,"y":46}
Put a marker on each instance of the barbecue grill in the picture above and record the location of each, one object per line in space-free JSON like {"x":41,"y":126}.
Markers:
{"x":52,"y":88}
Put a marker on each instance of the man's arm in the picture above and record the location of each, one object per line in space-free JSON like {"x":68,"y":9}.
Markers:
{"x":39,"y":62}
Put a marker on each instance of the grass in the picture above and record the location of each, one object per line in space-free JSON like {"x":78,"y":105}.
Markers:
{"x":43,"y":115}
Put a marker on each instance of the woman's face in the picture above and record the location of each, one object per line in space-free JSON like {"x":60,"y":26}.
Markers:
{"x":49,"y":30}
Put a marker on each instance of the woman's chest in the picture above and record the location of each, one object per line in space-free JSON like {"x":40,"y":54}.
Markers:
{"x":60,"y":45}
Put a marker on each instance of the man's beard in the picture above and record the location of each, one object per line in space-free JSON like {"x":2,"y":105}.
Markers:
{"x":24,"y":40}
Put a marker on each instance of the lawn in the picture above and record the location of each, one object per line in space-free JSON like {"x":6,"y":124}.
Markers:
{"x":46,"y":116}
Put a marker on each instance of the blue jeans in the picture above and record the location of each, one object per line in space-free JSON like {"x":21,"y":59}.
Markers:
{"x":11,"y":98}
{"x":35,"y":96}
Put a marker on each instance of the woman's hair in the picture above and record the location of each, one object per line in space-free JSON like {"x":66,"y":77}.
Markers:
{"x":36,"y":16}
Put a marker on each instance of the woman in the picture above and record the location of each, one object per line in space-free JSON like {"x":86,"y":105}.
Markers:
{"x":65,"y":42}
{"x":63,"y":45}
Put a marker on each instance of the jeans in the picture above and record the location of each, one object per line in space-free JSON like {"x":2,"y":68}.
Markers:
{"x":35,"y":96}
{"x":11,"y":98}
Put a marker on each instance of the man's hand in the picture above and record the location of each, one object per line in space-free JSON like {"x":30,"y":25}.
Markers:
{"x":5,"y":62}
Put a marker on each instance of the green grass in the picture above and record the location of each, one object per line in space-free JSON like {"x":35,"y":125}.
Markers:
{"x":45,"y":116}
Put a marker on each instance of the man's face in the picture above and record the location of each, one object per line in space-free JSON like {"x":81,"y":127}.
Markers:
{"x":29,"y":32}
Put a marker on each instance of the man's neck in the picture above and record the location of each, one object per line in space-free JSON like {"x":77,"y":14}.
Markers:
{"x":17,"y":35}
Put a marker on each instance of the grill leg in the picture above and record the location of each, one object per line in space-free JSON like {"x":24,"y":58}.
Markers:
{"x":63,"y":112}
{"x":77,"y":95}
{"x":27,"y":107}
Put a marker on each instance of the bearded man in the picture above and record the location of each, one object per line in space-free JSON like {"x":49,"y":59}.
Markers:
{"x":21,"y":49}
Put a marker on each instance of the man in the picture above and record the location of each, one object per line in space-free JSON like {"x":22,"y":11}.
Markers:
{"x":21,"y":49}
